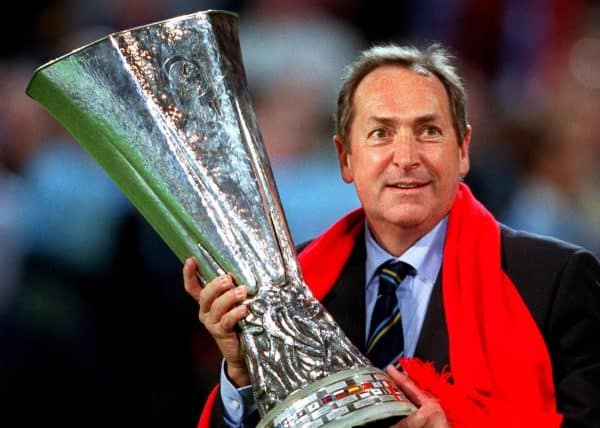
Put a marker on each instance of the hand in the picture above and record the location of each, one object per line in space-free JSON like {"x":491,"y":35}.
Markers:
{"x":220,"y":311}
{"x":429,"y":413}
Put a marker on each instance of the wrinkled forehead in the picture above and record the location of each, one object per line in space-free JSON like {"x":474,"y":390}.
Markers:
{"x":390,"y":82}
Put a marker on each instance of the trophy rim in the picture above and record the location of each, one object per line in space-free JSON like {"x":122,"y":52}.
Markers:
{"x":127,"y":30}
{"x":283,"y":413}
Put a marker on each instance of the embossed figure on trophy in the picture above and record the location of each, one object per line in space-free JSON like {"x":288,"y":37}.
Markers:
{"x":191,"y":93}
{"x":299,"y":342}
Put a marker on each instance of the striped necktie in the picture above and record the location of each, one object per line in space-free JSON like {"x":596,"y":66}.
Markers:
{"x":386,"y":340}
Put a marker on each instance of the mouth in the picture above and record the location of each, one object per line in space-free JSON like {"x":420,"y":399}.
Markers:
{"x":409,"y":185}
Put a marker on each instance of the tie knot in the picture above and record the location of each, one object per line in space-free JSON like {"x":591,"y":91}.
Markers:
{"x":393,"y":272}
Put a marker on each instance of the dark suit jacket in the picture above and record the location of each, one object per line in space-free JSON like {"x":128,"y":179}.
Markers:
{"x":560,"y":285}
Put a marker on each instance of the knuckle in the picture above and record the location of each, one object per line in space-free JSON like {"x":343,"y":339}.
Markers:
{"x":203,"y":304}
{"x":222,"y":280}
{"x":206,"y":323}
{"x":228,"y":323}
{"x":187,"y":284}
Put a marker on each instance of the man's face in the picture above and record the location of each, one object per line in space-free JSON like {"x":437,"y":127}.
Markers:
{"x":404,"y":158}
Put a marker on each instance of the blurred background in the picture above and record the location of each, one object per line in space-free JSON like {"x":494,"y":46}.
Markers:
{"x":95,"y":326}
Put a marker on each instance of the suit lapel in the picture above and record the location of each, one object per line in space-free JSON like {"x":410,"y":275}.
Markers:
{"x":433,"y":341}
{"x":346,"y":300}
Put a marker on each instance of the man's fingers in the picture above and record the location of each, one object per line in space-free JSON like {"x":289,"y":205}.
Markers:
{"x":424,"y":418}
{"x":213,"y":290}
{"x":407,"y":386}
{"x":226,"y":302}
{"x":231,"y":318}
{"x":430,"y":413}
{"x":220,"y":310}
{"x":416,"y":420}
{"x":219,"y":300}
{"x":190,"y":280}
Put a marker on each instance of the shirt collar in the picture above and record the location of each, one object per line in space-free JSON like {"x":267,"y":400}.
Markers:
{"x":425,"y":255}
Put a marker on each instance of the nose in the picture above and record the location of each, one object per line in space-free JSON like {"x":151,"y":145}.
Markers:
{"x":406,"y":151}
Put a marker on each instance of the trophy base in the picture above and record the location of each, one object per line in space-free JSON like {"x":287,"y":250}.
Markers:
{"x":348,"y":398}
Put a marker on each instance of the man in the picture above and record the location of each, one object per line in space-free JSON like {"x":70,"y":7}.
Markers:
{"x":512,"y":319}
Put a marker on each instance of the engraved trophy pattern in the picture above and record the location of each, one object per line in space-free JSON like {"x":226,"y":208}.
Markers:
{"x":164,"y":110}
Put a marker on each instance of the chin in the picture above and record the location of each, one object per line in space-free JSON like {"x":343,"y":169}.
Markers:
{"x":405,"y":221}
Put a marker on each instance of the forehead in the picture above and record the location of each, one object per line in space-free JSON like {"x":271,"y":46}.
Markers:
{"x":398,"y":87}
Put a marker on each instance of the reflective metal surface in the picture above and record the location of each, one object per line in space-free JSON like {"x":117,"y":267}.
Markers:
{"x":165,"y":111}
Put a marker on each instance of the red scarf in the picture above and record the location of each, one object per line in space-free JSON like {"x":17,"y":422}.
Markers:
{"x":501,"y":370}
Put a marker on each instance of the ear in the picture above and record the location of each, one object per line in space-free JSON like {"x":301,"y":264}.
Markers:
{"x":463,"y":153}
{"x":344,"y":159}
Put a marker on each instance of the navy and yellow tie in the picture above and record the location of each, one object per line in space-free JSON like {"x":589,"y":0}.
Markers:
{"x":385,"y":343}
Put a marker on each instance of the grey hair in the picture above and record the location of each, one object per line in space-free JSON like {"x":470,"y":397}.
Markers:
{"x":435,"y":60}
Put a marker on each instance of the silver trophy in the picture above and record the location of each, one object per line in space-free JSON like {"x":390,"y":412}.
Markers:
{"x":165,"y":111}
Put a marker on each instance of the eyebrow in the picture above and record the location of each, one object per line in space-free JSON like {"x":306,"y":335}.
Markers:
{"x":426,"y":119}
{"x":382,"y":120}
{"x":417,"y":121}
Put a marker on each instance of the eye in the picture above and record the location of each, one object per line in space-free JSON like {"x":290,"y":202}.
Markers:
{"x":379,"y":133}
{"x":429,"y":131}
